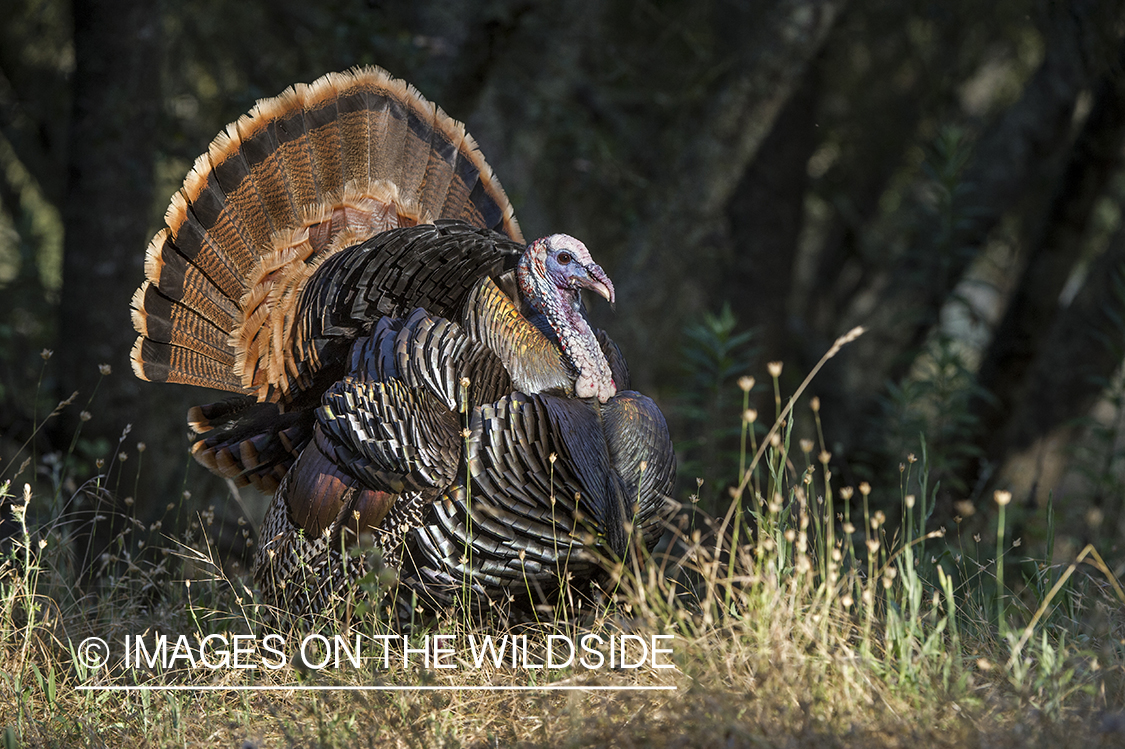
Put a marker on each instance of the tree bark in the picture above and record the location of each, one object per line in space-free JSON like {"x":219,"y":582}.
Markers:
{"x":665,"y":248}
{"x":1021,"y":337}
{"x":109,"y":200}
{"x":1015,"y":159}
{"x":766,"y":213}
{"x":1082,"y":349}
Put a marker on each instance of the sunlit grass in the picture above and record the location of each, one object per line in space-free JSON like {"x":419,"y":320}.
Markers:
{"x":800,"y":617}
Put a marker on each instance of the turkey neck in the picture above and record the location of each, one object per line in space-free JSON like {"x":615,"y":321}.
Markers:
{"x":581,"y":346}
{"x":567,"y":317}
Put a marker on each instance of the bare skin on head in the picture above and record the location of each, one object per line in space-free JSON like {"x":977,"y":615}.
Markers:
{"x":552,"y":272}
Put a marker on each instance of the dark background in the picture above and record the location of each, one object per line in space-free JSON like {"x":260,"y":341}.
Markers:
{"x":757,"y":178}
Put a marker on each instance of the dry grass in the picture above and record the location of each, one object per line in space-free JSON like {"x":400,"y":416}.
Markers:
{"x":771,"y":656}
{"x":820,"y":628}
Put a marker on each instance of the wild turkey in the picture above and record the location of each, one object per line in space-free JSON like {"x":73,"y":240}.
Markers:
{"x":343,"y":258}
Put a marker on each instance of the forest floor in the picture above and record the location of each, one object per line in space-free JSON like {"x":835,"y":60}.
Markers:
{"x":807,"y":620}
{"x":797,"y":640}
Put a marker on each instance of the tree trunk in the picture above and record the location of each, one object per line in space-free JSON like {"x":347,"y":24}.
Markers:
{"x":1082,"y":349}
{"x":107,"y":211}
{"x":666,"y":247}
{"x":1020,"y":339}
{"x":765,"y":213}
{"x":1014,"y":160}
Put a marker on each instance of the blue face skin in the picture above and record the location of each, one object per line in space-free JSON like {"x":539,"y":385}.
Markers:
{"x":551,"y":273}
{"x":572,"y":268}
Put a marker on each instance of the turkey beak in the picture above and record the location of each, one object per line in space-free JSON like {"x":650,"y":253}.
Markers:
{"x":598,"y":282}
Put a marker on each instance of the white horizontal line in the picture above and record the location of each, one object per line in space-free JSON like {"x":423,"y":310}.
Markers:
{"x":266,"y":688}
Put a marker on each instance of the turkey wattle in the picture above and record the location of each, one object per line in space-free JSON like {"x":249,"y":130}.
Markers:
{"x":343,"y":259}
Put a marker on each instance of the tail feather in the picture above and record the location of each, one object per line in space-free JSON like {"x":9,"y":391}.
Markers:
{"x":443,"y":149}
{"x":187,"y":237}
{"x":466,"y":176}
{"x":240,"y":224}
{"x":172,"y":275}
{"x":416,"y":146}
{"x":249,"y":442}
{"x":165,"y":362}
{"x":355,"y":118}
{"x":286,"y":113}
{"x":166,"y":321}
{"x":388,"y":135}
{"x":267,"y":168}
{"x":305,"y":174}
{"x":321,"y":115}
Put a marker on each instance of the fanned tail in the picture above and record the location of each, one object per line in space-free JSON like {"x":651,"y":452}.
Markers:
{"x":319,"y":168}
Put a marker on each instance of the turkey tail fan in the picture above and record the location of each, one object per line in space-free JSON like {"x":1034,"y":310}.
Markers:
{"x":321,"y":167}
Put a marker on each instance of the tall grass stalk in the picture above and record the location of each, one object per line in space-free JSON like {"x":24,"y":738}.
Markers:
{"x":1002,"y":499}
{"x":840,"y":342}
{"x":800,"y":632}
